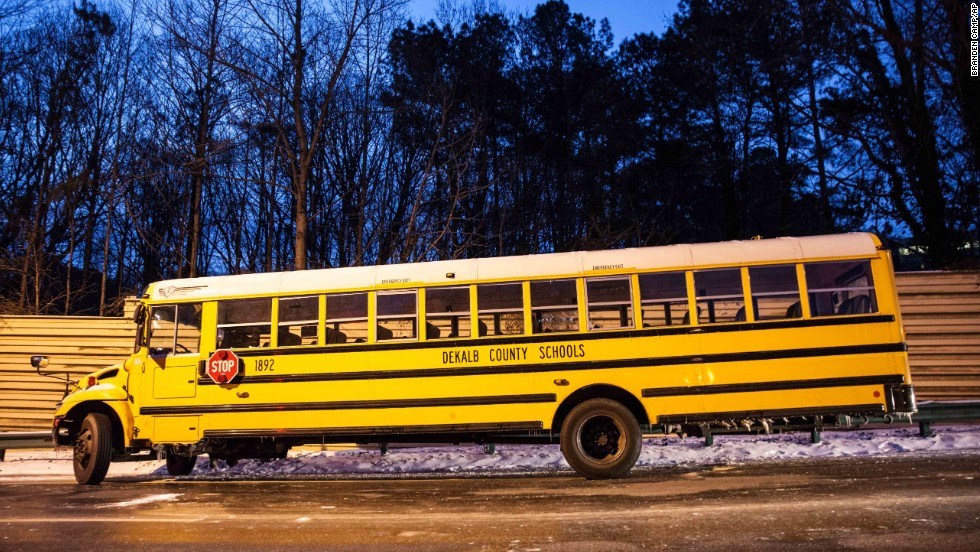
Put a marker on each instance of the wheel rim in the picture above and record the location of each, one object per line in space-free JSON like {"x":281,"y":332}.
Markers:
{"x":601,"y":439}
{"x":83,"y":448}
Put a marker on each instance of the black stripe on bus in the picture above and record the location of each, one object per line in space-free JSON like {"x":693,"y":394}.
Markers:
{"x":771,"y":386}
{"x":368,"y":431}
{"x":568,"y":366}
{"x":351,"y":405}
{"x":789,"y":323}
{"x":849,"y":409}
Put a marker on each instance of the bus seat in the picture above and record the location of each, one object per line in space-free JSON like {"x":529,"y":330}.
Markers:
{"x":482,"y":328}
{"x":384,"y":333}
{"x":740,"y":315}
{"x":239,"y":338}
{"x":335,"y":337}
{"x":859,"y":304}
{"x":432,"y":331}
{"x":795,"y":310}
{"x":687,"y":317}
{"x":288,"y":338}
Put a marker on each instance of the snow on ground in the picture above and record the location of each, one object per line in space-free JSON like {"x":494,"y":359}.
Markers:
{"x":516,"y":459}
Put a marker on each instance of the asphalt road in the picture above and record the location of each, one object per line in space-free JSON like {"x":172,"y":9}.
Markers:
{"x":911,"y":502}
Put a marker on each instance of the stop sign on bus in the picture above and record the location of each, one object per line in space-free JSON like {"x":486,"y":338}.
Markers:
{"x":223,"y":366}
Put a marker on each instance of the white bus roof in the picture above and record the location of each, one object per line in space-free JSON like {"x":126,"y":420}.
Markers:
{"x":518,"y":267}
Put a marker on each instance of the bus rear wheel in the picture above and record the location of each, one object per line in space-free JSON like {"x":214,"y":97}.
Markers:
{"x":93,"y":449}
{"x":601,"y":439}
{"x":180,"y":465}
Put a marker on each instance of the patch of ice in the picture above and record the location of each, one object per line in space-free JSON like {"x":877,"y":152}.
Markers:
{"x":165,"y":497}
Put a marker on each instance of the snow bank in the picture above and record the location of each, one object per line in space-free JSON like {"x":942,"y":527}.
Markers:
{"x":515,"y":459}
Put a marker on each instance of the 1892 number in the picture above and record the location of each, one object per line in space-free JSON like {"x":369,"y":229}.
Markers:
{"x":265,"y":365}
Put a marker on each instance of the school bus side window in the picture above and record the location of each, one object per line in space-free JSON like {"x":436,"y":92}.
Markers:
{"x":663,"y":299}
{"x":775,"y":292}
{"x":845,"y":287}
{"x":397,"y":315}
{"x":347,"y":318}
{"x":244,"y":323}
{"x":447,"y":312}
{"x":175,"y":329}
{"x":554,"y":305}
{"x":501,"y":309}
{"x":610,"y":303}
{"x":719,"y":295}
{"x":298,"y":319}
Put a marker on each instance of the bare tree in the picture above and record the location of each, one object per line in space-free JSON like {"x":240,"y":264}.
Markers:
{"x":196,"y":87}
{"x":292,"y":58}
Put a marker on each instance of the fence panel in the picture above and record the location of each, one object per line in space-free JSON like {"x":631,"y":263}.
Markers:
{"x":941,"y":315}
{"x":75,"y":345}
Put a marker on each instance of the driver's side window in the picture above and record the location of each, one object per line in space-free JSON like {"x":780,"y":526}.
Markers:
{"x":175,"y":329}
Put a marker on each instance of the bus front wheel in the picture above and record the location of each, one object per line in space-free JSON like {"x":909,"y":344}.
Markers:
{"x":600,"y":439}
{"x":93,"y":449}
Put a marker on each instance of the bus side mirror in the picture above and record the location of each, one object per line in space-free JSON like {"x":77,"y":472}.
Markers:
{"x":39,"y":363}
{"x":139,"y":313}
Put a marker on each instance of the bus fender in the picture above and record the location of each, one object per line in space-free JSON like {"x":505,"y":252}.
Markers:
{"x":600,"y":391}
{"x":118,"y":410}
{"x":103,"y":392}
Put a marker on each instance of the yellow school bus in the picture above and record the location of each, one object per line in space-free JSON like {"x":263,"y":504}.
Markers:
{"x":587,"y":349}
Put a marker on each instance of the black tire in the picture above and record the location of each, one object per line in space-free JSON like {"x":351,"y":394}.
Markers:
{"x":93,"y":449}
{"x":601,"y":439}
{"x":180,"y":465}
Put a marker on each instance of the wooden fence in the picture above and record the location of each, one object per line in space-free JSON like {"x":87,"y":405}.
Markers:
{"x":75,"y":345}
{"x":940,"y":310}
{"x":941,"y":315}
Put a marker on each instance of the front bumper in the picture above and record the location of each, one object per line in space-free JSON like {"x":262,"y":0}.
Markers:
{"x":57,"y":437}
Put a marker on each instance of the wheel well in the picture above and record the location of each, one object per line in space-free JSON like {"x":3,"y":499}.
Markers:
{"x":611,"y":392}
{"x":77,"y":414}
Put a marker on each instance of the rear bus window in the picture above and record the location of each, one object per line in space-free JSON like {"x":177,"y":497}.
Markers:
{"x":840,"y":288}
{"x":244,"y":323}
{"x":298,"y":320}
{"x":501,"y":309}
{"x":397,"y":315}
{"x":775,"y":292}
{"x":663,"y":299}
{"x":554,"y":306}
{"x":610,"y":303}
{"x":347,"y":318}
{"x":719,"y":295}
{"x":447,"y":312}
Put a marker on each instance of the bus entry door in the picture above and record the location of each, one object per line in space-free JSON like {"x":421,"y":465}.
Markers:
{"x":174,"y":350}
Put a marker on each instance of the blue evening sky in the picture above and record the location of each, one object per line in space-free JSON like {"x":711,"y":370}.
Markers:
{"x":627,"y":17}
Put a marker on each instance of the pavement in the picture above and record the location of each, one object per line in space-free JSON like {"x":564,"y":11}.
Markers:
{"x":912,"y":502}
